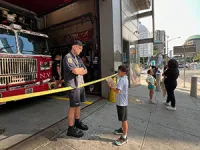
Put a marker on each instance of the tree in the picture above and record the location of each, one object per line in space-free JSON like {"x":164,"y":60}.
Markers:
{"x":155,"y":50}
{"x":196,"y":57}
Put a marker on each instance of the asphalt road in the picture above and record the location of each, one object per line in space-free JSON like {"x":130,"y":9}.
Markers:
{"x":189,"y":74}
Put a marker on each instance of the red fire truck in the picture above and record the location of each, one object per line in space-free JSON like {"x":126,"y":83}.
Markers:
{"x":25,"y":62}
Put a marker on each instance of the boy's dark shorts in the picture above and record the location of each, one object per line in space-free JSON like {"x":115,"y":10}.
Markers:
{"x":122,"y":113}
{"x":76,"y":96}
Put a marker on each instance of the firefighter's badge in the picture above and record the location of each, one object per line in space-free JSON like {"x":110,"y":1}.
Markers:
{"x":69,"y":60}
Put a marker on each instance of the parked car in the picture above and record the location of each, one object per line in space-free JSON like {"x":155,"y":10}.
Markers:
{"x":182,"y":66}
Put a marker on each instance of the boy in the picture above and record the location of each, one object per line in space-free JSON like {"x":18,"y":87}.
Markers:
{"x":122,"y":103}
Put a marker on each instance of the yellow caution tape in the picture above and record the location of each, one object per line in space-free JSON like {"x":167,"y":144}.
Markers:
{"x":24,"y":96}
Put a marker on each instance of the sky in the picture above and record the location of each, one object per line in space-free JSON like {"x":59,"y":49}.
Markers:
{"x":179,"y":18}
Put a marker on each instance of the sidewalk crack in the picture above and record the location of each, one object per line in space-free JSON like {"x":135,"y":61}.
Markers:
{"x":144,"y":136}
{"x":175,"y":129}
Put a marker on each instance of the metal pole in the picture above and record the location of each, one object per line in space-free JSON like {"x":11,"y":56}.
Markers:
{"x":193,"y":87}
{"x":158,"y":78}
{"x":166,"y":49}
{"x":153,"y":20}
{"x":143,"y":53}
{"x":184,"y":65}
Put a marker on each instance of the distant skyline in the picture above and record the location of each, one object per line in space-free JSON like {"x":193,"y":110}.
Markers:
{"x":179,"y":18}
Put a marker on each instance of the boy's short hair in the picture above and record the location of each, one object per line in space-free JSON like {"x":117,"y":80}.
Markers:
{"x":148,"y":71}
{"x":123,"y":68}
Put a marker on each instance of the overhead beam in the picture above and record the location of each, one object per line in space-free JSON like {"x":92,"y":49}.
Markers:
{"x":143,"y":41}
{"x":145,"y":14}
{"x":68,"y":21}
{"x":57,"y":7}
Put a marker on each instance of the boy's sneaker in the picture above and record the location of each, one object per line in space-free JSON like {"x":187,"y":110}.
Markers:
{"x":118,"y":131}
{"x":75,"y":133}
{"x":81,"y":126}
{"x":165,"y":103}
{"x":121,"y":141}
{"x":171,"y":108}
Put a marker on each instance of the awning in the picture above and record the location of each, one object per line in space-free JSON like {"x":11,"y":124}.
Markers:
{"x":41,"y":7}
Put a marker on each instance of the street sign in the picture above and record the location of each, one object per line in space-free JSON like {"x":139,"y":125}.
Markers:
{"x":190,"y":50}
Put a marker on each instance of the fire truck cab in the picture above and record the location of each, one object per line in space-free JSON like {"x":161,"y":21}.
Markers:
{"x":25,"y":60}
{"x":25,"y":63}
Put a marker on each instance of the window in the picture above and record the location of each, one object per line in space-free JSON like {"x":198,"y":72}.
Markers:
{"x":7,"y":41}
{"x":32,"y":44}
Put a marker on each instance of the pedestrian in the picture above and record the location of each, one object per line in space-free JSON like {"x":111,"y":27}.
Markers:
{"x":151,"y":81}
{"x":170,"y":80}
{"x":56,"y":71}
{"x":154,"y":70}
{"x":74,"y":69}
{"x":122,"y":103}
{"x":163,"y":84}
{"x":88,"y":77}
{"x":87,"y":63}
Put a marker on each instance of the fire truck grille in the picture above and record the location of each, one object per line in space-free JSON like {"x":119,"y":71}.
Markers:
{"x":17,"y":70}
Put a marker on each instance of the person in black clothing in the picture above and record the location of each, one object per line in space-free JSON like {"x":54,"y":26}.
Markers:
{"x":165,"y":67}
{"x":87,"y":77}
{"x":56,"y":71}
{"x":170,"y":80}
{"x":154,"y":69}
{"x":87,"y":63}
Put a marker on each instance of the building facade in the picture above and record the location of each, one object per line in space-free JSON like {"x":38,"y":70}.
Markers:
{"x":160,"y":47}
{"x":160,"y":35}
{"x":146,"y":50}
{"x":194,"y":40}
{"x":119,"y":28}
{"x":160,"y":40}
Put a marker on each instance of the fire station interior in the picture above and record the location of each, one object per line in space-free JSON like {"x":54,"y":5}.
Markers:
{"x":64,"y":22}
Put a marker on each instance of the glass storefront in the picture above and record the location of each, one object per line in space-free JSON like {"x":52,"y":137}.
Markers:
{"x":130,"y":50}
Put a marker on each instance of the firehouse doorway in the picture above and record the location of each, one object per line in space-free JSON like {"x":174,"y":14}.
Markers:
{"x":80,"y":24}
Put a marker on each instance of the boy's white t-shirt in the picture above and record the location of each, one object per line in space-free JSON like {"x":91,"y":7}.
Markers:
{"x":122,"y":97}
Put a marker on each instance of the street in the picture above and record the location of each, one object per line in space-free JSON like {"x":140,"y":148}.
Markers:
{"x":188,"y":74}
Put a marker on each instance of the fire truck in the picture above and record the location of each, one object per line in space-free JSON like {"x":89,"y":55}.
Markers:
{"x":25,"y":61}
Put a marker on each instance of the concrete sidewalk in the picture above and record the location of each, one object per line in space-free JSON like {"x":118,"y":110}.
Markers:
{"x":151,"y":126}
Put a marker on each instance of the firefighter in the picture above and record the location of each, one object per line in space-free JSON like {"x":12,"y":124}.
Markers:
{"x":56,"y":69}
{"x":74,"y":69}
